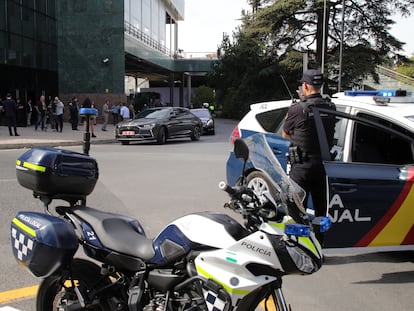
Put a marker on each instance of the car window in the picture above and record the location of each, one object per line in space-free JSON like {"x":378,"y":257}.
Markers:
{"x":339,"y":136}
{"x":373,"y":145}
{"x":204,"y":113}
{"x":152,"y":114}
{"x":272,"y":121}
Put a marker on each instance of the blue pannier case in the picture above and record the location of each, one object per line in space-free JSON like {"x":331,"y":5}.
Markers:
{"x":57,"y":173}
{"x":42,"y":243}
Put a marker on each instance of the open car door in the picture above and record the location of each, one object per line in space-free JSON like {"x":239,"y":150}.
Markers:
{"x":370,"y":176}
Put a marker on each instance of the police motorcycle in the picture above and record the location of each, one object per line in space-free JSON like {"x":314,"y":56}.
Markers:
{"x":201,"y":261}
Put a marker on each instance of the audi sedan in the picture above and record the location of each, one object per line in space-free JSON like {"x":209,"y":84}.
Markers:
{"x":159,"y":124}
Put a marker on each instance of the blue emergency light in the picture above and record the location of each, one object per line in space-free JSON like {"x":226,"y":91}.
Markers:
{"x":384,"y":93}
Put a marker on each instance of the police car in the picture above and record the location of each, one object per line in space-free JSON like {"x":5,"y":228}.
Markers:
{"x":370,"y":169}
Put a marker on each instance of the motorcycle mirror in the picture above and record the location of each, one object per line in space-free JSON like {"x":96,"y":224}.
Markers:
{"x":241,"y":150}
{"x":324,"y":223}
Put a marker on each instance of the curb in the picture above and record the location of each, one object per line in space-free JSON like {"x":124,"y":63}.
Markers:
{"x":54,"y":144}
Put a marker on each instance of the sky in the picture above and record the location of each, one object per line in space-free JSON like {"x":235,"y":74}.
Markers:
{"x":205,"y":22}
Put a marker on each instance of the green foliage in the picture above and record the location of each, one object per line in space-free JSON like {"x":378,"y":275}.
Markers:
{"x":275,"y":35}
{"x":203,"y":94}
{"x":406,"y":67}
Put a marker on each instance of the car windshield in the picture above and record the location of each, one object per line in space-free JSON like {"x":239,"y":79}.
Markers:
{"x":153,"y":114}
{"x":262,"y":158}
{"x":202,"y":113}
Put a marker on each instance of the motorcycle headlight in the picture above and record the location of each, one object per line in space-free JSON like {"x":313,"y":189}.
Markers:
{"x":303,"y":262}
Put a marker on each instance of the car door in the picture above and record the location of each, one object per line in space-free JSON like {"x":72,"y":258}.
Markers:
{"x":173,"y":123}
{"x":184,"y":123}
{"x":370,"y":181}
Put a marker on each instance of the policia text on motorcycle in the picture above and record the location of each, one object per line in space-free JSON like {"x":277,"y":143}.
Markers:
{"x":304,"y":152}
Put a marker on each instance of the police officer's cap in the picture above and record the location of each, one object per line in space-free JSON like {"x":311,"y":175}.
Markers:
{"x":312,"y":77}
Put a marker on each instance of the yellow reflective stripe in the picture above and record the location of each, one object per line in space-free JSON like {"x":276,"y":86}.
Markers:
{"x":309,"y":245}
{"x":233,"y":291}
{"x":398,"y":226}
{"x":18,"y":162}
{"x":34,"y":167}
{"x":24,"y":227}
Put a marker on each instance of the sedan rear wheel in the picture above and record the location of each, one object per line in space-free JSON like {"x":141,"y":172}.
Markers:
{"x":195,"y":135}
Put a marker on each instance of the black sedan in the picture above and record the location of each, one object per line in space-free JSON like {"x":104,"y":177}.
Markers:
{"x":159,"y":124}
{"x":207,"y":119}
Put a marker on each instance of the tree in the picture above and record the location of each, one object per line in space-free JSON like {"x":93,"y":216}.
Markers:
{"x":406,"y":67}
{"x":301,"y":25}
{"x":277,"y":33}
{"x":203,"y":94}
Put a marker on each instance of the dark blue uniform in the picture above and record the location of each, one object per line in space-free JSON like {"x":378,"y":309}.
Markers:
{"x":307,"y":169}
{"x":10,"y":111}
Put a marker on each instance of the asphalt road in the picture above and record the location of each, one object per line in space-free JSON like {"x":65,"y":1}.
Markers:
{"x":157,"y":184}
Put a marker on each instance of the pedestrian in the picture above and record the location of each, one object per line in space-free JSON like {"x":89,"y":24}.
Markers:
{"x":29,"y":110}
{"x":105,"y":113}
{"x":59,"y":109}
{"x":307,"y":169}
{"x":131,"y":111}
{"x":41,"y":113}
{"x":51,"y":114}
{"x":87,"y":103}
{"x":124,"y":112}
{"x":10,"y":113}
{"x":115,"y":113}
{"x":21,"y":113}
{"x":74,"y":113}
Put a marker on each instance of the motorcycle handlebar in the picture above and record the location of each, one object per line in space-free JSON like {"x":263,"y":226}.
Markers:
{"x":225,"y":187}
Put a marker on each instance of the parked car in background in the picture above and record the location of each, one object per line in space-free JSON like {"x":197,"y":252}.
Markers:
{"x":205,"y":116}
{"x":159,"y":124}
{"x":370,"y":169}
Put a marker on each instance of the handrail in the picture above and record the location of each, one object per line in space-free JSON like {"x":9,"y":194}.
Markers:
{"x":395,"y":75}
{"x":143,"y":37}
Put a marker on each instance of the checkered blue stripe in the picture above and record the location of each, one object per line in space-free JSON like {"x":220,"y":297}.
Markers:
{"x":213,"y":302}
{"x":22,"y":244}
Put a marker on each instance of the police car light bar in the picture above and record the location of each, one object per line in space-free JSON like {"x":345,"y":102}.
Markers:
{"x":384,"y":93}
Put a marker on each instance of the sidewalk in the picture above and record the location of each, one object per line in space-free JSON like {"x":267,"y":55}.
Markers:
{"x":30,"y":138}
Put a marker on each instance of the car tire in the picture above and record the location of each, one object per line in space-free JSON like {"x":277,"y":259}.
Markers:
{"x":161,"y":137}
{"x":125,"y":142}
{"x":196,"y":133}
{"x":260,"y":183}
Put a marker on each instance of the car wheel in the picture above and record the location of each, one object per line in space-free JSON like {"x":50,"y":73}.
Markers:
{"x":125,"y":142}
{"x":161,"y":137}
{"x":260,"y":183}
{"x":196,"y":133}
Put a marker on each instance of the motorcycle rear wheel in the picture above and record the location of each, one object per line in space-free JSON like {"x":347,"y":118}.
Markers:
{"x":56,"y":292}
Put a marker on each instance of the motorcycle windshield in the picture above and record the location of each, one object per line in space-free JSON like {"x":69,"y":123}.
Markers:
{"x":263,"y":159}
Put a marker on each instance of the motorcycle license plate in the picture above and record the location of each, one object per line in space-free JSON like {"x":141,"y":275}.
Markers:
{"x":128,"y":133}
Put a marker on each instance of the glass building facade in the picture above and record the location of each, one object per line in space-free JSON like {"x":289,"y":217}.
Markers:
{"x":28,"y":48}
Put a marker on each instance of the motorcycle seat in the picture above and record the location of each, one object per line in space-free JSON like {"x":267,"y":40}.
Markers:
{"x":117,"y":232}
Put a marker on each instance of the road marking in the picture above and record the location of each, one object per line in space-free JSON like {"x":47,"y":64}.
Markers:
{"x":20,"y":293}
{"x":7,"y":308}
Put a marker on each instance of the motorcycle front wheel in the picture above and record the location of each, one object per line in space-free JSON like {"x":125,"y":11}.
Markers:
{"x":59,"y":293}
{"x":269,"y":298}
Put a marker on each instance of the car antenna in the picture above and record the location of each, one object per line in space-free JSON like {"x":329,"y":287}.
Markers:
{"x":287,"y":88}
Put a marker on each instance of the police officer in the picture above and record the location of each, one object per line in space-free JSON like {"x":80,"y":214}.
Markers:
{"x":307,"y":169}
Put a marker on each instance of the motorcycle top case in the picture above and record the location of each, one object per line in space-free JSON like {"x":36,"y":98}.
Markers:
{"x":57,"y":172}
{"x":42,"y":243}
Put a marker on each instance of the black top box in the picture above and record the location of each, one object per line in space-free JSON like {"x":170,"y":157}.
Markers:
{"x":54,"y":173}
